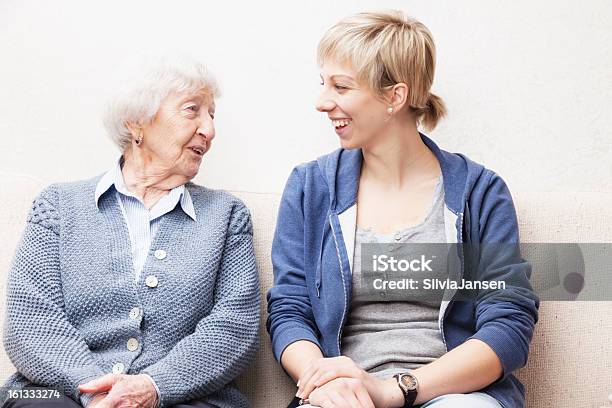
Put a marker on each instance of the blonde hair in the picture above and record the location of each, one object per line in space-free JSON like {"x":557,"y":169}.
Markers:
{"x":387,"y":48}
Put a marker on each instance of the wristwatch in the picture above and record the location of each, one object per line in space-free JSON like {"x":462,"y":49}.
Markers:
{"x":409,"y":385}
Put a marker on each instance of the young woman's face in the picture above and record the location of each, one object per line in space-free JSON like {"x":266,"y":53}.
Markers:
{"x":356,"y":113}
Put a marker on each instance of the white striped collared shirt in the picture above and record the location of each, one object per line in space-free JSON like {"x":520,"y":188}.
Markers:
{"x":141,"y":222}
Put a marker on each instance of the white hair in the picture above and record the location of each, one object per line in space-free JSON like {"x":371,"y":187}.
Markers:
{"x":144,"y":84}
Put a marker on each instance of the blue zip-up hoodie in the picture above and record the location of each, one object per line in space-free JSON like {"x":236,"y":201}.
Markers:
{"x":313,"y":248}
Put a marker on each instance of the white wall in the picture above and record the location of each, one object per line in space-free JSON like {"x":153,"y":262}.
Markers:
{"x":527,"y":84}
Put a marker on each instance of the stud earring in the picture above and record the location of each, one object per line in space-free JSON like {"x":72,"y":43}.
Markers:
{"x":390,"y":110}
{"x":138,"y":140}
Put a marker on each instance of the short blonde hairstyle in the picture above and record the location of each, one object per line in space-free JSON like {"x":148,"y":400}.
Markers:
{"x":387,"y":48}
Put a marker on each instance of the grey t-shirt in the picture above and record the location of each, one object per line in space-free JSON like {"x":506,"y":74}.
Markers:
{"x":389,"y":337}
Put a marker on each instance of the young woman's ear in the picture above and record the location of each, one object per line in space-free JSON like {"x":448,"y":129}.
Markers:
{"x":397,"y":96}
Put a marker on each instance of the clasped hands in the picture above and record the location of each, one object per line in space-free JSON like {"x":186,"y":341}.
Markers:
{"x":121,"y":391}
{"x":338,"y":382}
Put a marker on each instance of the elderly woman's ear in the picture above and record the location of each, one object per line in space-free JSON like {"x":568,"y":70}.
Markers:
{"x":136,"y":131}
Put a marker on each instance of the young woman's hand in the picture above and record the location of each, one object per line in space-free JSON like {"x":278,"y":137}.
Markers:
{"x":341,"y":393}
{"x":323,"y":371}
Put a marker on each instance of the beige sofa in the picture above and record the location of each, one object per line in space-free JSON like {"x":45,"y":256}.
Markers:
{"x":570,"y":364}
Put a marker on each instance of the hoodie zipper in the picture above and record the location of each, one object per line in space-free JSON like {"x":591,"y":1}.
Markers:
{"x":318,"y":272}
{"x":461,"y":256}
{"x":343,"y":284}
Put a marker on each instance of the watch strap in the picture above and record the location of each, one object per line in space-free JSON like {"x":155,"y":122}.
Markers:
{"x":409,"y":395}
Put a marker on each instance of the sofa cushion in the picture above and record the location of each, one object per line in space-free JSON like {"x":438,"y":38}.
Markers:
{"x":571,"y":343}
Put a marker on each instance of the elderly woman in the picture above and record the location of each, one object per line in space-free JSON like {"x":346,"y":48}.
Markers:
{"x":138,"y":288}
{"x":389,"y":183}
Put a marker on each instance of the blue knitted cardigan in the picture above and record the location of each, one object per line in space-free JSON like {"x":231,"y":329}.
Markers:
{"x":71,"y":289}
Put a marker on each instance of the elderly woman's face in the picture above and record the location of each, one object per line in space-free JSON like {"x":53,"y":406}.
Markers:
{"x":180,"y":133}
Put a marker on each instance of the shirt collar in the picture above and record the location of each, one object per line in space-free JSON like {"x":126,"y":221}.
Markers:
{"x":114,"y":177}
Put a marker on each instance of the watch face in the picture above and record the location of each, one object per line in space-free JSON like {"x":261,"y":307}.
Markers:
{"x":409,"y":381}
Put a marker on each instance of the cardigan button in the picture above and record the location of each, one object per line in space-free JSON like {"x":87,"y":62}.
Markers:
{"x":118,"y":368}
{"x":151,"y":281}
{"x":160,"y":254}
{"x":132,"y":344}
{"x":134,"y":313}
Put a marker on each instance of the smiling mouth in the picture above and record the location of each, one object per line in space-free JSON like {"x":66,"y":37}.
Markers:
{"x":341,"y":123}
{"x":198,"y":150}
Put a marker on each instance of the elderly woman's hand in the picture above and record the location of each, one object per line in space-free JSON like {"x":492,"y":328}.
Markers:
{"x":123,"y":391}
{"x":95,"y":401}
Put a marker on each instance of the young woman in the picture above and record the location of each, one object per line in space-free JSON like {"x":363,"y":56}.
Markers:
{"x":390,"y":183}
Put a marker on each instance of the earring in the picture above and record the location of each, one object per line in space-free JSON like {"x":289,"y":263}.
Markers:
{"x":390,"y":110}
{"x":138,"y":140}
